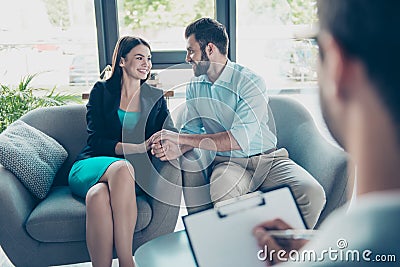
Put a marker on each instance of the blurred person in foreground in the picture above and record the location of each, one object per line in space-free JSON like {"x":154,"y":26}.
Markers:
{"x":360,"y":94}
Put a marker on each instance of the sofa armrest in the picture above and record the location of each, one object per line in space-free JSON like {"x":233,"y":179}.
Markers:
{"x":164,"y":190}
{"x":324,"y":161}
{"x":16,"y":205}
{"x":167,"y":182}
{"x":195,"y":178}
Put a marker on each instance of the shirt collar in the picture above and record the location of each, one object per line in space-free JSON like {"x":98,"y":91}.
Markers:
{"x":225,"y":76}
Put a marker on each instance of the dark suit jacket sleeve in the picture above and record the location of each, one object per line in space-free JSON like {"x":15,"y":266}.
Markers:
{"x":98,"y":140}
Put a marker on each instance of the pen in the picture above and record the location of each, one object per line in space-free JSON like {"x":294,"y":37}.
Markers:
{"x":292,"y":234}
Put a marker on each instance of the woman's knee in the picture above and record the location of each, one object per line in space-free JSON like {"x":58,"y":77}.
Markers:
{"x":98,"y":196}
{"x":122,"y":168}
{"x":120,"y":177}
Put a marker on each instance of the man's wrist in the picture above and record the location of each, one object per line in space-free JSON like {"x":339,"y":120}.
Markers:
{"x":185,"y":148}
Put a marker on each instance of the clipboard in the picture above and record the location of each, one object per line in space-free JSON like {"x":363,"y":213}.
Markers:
{"x":222,"y":236}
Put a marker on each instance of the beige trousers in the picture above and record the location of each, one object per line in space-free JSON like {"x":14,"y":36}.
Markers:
{"x":231,"y":177}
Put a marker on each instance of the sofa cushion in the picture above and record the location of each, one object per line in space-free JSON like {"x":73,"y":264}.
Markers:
{"x":32,"y":156}
{"x":61,"y":217}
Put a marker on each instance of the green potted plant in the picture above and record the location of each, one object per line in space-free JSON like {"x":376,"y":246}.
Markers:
{"x":15,"y":101}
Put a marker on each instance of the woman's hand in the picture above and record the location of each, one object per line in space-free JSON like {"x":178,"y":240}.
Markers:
{"x":144,"y":147}
{"x":129,"y":148}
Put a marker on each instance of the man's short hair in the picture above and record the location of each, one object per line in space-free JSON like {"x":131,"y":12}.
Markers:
{"x":207,"y":30}
{"x":368,"y":31}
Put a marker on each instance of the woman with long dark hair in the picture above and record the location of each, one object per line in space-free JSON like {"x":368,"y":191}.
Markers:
{"x":122,"y":114}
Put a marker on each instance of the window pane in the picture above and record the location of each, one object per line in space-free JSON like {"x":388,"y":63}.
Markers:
{"x":54,"y":38}
{"x":264,"y":41}
{"x":162,"y":23}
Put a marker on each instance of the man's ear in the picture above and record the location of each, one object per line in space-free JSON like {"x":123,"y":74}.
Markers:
{"x":336,"y":64}
{"x":210,"y":49}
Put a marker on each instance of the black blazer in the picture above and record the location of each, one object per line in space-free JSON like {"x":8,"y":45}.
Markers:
{"x":103,"y":124}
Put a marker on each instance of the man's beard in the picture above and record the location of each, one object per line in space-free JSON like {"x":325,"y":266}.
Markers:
{"x":202,"y":66}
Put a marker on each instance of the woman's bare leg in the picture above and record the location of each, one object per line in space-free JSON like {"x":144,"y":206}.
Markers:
{"x":99,"y":225}
{"x":121,"y":184}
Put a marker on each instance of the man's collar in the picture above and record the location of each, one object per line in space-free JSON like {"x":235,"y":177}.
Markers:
{"x":225,"y":76}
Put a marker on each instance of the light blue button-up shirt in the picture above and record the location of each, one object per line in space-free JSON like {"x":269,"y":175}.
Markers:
{"x":237,"y":102}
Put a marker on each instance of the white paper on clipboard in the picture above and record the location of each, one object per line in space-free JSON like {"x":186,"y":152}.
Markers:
{"x":223,"y":236}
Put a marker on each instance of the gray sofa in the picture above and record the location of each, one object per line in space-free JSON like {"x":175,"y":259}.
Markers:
{"x":297,"y":132}
{"x":52,"y":231}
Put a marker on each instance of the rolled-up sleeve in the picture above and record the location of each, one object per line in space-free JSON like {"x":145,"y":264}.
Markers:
{"x":250,"y":113}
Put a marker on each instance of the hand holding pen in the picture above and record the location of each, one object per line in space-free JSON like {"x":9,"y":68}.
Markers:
{"x":277,"y":235}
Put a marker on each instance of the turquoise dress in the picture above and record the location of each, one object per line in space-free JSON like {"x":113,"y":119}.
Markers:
{"x":87,"y":172}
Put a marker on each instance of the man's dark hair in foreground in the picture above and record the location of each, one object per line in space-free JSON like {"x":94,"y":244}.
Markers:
{"x":360,"y":95}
